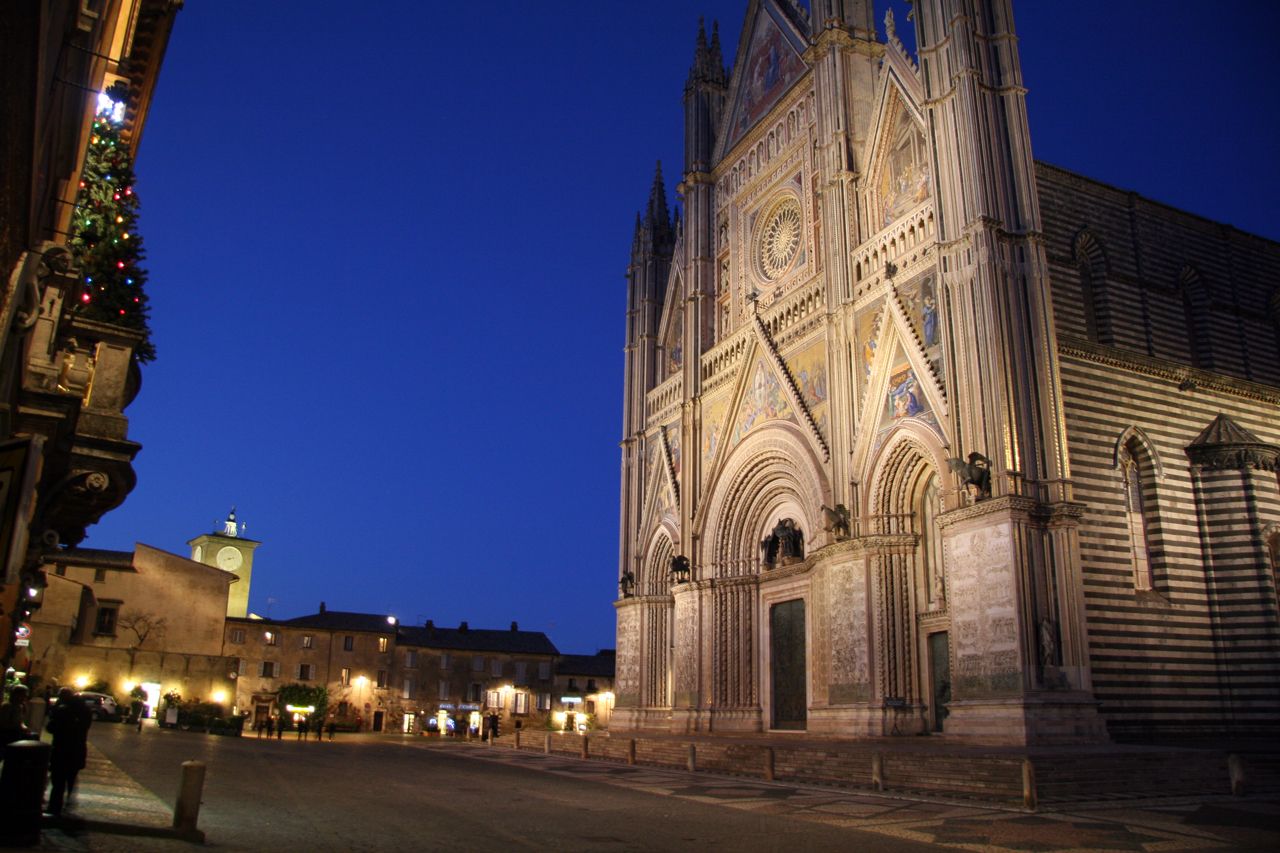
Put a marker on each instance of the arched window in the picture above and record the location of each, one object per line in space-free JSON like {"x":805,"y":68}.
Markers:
{"x":1092,"y":264}
{"x":1196,"y":309}
{"x":1135,"y":475}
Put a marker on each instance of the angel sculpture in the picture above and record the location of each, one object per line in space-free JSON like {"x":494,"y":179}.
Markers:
{"x":974,"y":474}
{"x":836,"y":521}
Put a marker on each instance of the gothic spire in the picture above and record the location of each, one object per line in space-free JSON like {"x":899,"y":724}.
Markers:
{"x":659,"y":217}
{"x":708,"y":62}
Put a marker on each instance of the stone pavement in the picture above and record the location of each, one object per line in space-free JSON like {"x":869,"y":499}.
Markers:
{"x":111,"y":812}
{"x":1199,"y":824}
{"x":106,"y":801}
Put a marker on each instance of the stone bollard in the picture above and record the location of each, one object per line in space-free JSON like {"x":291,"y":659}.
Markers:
{"x":22,"y":782}
{"x":585,"y":750}
{"x":517,"y":738}
{"x":1029,"y":800}
{"x":692,"y":763}
{"x":186,"y":811}
{"x":877,"y":771}
{"x":768,"y":763}
{"x":546,"y":744}
{"x":631,"y":751}
{"x":1235,"y":769}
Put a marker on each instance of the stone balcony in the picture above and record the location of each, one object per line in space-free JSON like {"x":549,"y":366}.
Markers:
{"x":80,"y":376}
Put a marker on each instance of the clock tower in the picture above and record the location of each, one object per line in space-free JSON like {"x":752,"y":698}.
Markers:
{"x":229,"y":550}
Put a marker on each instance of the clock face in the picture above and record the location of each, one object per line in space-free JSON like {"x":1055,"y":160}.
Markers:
{"x":230,"y":559}
{"x":198,"y":554}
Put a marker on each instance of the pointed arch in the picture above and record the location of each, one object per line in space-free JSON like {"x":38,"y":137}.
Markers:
{"x":1135,"y":433}
{"x":1139,"y":467}
{"x":771,"y":475}
{"x":1091,"y":262}
{"x":655,"y":565}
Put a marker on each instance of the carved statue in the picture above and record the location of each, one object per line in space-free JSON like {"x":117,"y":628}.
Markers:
{"x":974,"y":474}
{"x":836,"y":521}
{"x":786,"y":541}
{"x":769,"y":551}
{"x":627,"y":584}
{"x":1048,"y":643}
{"x":680,"y":569}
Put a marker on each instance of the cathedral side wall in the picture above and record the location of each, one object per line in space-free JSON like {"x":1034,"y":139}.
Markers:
{"x":1166,"y":283}
{"x":1160,"y":656}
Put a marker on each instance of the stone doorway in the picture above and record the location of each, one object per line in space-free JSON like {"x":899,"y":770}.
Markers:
{"x":787,"y":665}
{"x":939,"y":679}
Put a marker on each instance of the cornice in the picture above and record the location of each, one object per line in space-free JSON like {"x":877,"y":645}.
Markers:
{"x":1187,"y":378}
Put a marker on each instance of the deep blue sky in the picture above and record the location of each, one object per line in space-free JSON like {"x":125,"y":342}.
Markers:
{"x":387,"y":245}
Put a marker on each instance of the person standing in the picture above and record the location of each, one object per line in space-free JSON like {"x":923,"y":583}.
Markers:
{"x":13,"y":716}
{"x":69,"y":724}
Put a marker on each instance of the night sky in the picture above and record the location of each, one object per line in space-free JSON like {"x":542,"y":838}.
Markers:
{"x":387,"y":245}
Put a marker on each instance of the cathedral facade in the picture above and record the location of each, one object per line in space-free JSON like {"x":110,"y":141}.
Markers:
{"x":923,"y":436}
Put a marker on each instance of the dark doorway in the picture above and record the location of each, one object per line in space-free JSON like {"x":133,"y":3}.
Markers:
{"x":787,"y":664}
{"x":377,"y":721}
{"x":939,"y":677}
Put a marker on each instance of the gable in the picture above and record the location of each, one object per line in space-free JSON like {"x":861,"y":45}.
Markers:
{"x":901,"y":178}
{"x":769,"y":64}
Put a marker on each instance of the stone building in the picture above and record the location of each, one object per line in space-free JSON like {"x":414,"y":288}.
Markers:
{"x":144,"y":618}
{"x":921,"y":435}
{"x":65,"y":380}
{"x":384,"y":676}
{"x":584,"y":686}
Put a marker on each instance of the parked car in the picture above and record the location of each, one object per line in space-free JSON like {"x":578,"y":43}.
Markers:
{"x":102,"y":705}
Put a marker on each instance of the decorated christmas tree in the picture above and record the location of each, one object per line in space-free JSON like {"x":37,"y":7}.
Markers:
{"x":105,"y":239}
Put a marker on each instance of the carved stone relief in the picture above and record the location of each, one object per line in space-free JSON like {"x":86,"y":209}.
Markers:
{"x":984,"y":613}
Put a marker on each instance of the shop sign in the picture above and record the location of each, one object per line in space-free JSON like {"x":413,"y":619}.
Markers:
{"x":22,"y":637}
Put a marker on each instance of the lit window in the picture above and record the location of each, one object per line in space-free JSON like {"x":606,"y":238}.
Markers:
{"x":308,"y":640}
{"x":382,"y":644}
{"x":495,"y":700}
{"x":344,"y":677}
{"x":348,"y":643}
{"x":271,"y":638}
{"x":522,"y":703}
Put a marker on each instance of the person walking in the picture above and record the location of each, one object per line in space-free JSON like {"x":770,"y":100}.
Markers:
{"x":319,"y":728}
{"x":271,"y":727}
{"x":69,"y":724}
{"x":302,"y":729}
{"x":280,"y":729}
{"x":332,"y":728}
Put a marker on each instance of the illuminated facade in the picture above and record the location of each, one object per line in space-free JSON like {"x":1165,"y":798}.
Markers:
{"x":922,"y":436}
{"x":143,"y":618}
{"x":386,"y":677}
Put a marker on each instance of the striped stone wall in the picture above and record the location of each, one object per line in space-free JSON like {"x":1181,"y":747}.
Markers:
{"x":1173,"y":286}
{"x":1167,"y":320}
